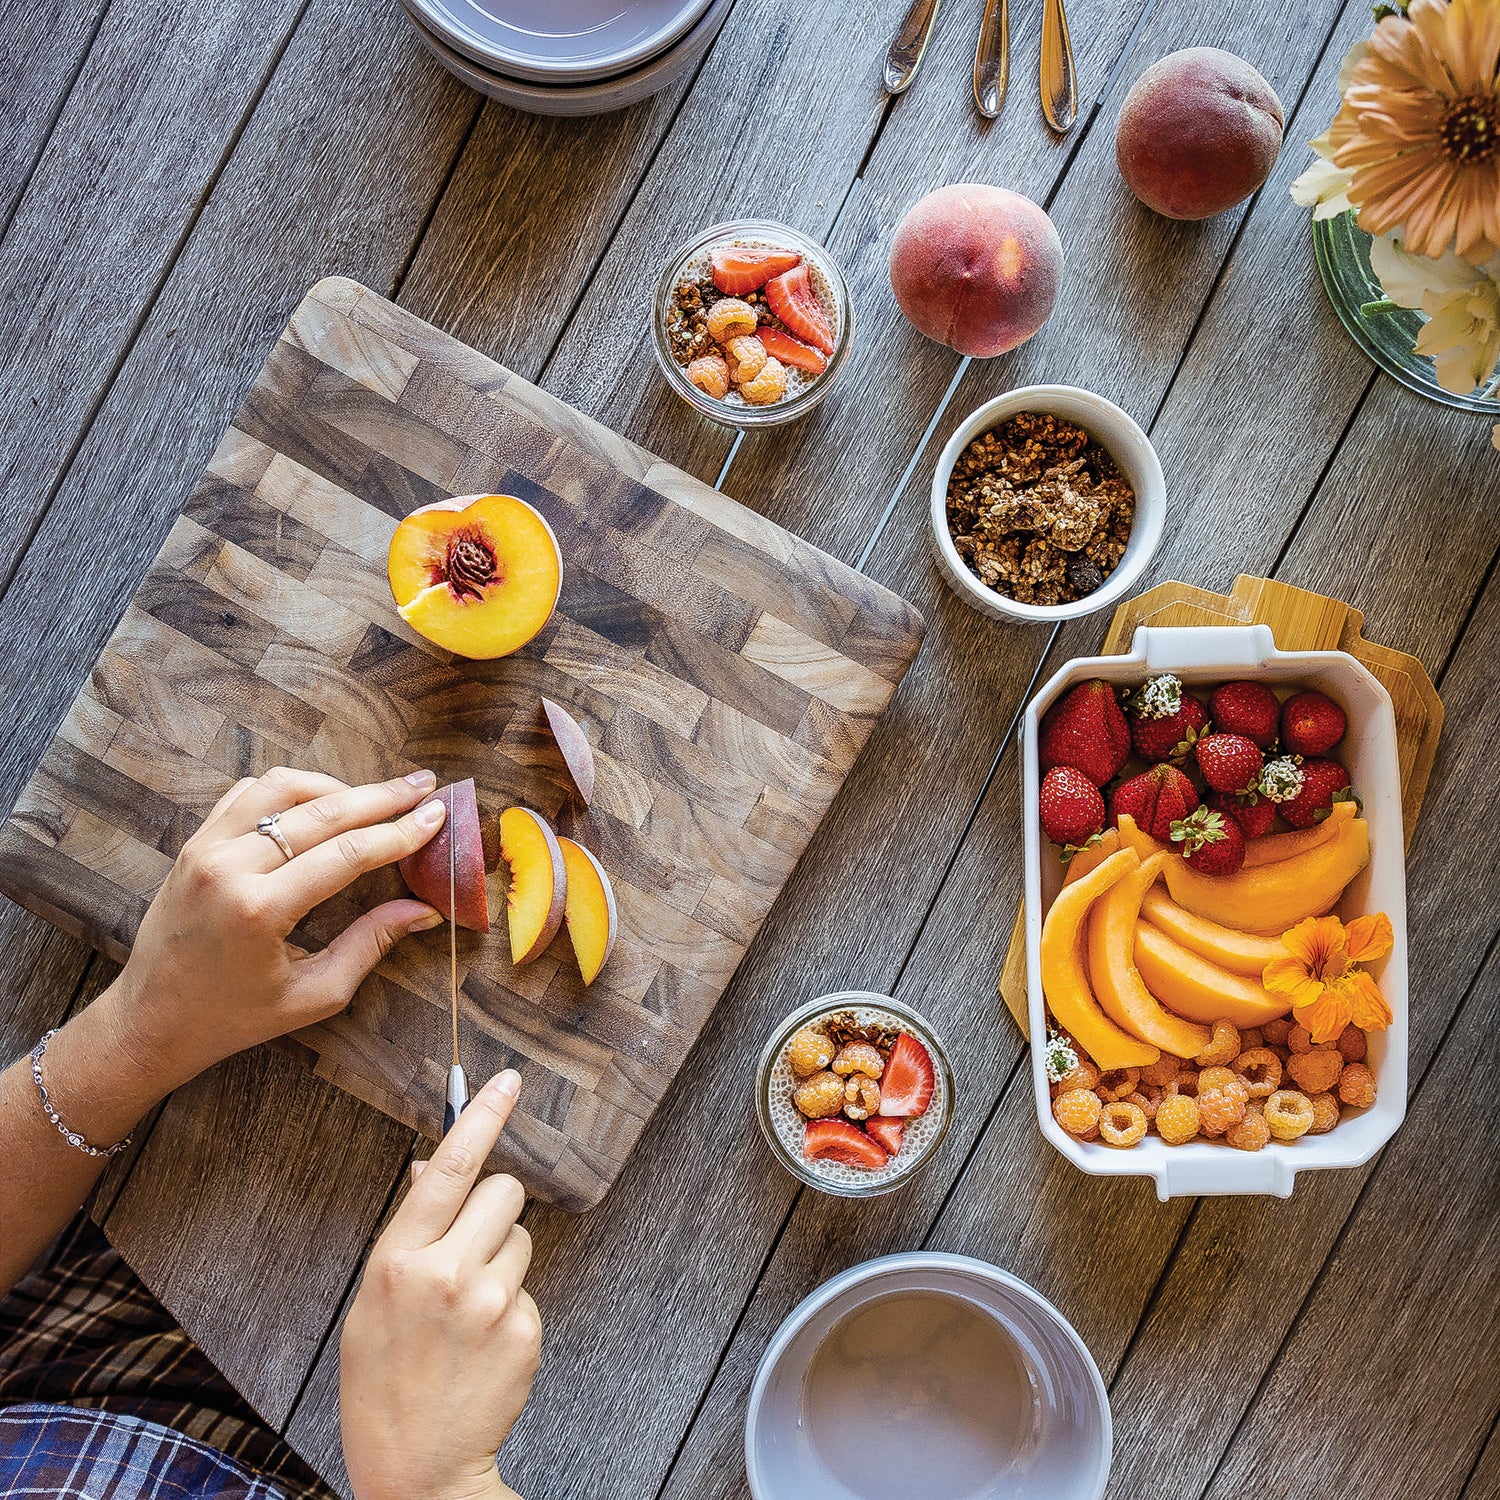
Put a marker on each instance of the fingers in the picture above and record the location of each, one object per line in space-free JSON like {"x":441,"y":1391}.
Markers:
{"x":513,"y":1258}
{"x":327,"y":980}
{"x":276,"y":791}
{"x":222,"y":805}
{"x":487,"y":1218}
{"x":309,"y":824}
{"x":438,"y":1195}
{"x":326,"y":868}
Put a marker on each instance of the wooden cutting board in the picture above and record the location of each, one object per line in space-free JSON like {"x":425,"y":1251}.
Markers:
{"x":726,"y":671}
{"x":1301,"y":621}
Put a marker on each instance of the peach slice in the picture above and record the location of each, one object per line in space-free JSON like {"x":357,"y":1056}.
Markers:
{"x":1239,"y":952}
{"x":577,"y":753}
{"x":1121,"y":991}
{"x":590,"y":909}
{"x":426,"y":871}
{"x":1199,"y":990}
{"x":478,"y":575}
{"x":538,"y":882}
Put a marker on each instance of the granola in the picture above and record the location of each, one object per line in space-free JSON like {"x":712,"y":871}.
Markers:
{"x":1038,"y":510}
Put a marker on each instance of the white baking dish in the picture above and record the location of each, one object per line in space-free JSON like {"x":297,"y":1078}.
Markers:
{"x":1202,"y":656}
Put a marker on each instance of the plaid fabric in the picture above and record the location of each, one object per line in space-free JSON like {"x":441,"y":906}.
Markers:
{"x":102,"y":1394}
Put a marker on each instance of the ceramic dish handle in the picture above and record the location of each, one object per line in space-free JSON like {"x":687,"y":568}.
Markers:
{"x":1265,"y":1172}
{"x":1167,"y":648}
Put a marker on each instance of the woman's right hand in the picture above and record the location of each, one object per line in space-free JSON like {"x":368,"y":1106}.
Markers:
{"x":443,"y":1341}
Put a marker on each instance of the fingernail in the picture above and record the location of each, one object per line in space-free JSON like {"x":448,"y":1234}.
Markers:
{"x":424,"y":779}
{"x":428,"y":922}
{"x":431,"y":814}
{"x":417,"y":1168}
{"x":508,"y":1083}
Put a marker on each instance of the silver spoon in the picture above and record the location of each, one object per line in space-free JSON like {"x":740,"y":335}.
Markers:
{"x":1059,"y":77}
{"x":905,"y":56}
{"x":992,"y":60}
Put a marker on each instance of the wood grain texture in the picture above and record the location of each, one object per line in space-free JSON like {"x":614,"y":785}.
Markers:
{"x":231,"y":634}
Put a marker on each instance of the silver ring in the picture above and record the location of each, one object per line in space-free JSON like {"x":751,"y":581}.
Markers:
{"x":271,"y":827}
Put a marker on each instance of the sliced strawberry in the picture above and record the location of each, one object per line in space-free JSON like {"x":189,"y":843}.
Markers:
{"x":792,"y":351}
{"x":908,"y":1081}
{"x":794,"y":302}
{"x":746,"y":268}
{"x":887,"y":1132}
{"x":838,"y":1140}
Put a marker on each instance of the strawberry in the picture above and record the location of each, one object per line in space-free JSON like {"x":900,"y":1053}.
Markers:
{"x":838,"y":1140}
{"x":908,"y":1081}
{"x":739,"y":269}
{"x":1164,"y":721}
{"x":1311,"y":723}
{"x":1229,"y":762}
{"x":1247,"y":708}
{"x":795,"y":303}
{"x":1156,"y":799}
{"x":1086,"y":729}
{"x":1071,"y":807}
{"x":791,"y":351}
{"x":1322,"y":781}
{"x":1210,"y":842}
{"x":1254,"y":817}
{"x":887,"y":1132}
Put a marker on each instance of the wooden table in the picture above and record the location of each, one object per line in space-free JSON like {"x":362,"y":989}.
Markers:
{"x":173,"y":178}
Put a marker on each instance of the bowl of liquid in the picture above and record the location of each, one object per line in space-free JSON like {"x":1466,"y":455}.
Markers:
{"x":931,"y":1375}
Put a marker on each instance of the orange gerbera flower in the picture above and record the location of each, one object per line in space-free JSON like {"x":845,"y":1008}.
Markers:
{"x":1420,"y":129}
{"x":1319,"y":973}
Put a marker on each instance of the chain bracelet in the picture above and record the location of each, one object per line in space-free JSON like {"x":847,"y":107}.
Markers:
{"x":72,"y":1137}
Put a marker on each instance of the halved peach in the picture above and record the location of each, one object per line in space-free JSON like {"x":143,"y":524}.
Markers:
{"x":590,"y":911}
{"x":427,"y":872}
{"x":538,"y":881}
{"x":478,"y":575}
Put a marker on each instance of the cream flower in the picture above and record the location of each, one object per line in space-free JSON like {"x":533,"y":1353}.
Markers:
{"x":1324,"y":187}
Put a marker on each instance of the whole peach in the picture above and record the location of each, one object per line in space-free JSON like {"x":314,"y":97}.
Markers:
{"x":976,"y":267}
{"x":1199,"y":132}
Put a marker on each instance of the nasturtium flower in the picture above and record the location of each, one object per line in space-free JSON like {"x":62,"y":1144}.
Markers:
{"x":1321,"y":975}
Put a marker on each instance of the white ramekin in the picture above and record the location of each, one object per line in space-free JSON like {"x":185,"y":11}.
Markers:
{"x":1202,"y":655}
{"x":1128,"y":445}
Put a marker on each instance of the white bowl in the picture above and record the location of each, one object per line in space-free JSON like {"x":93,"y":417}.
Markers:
{"x":1128,"y":445}
{"x":1066,"y":1451}
{"x":1201,"y":655}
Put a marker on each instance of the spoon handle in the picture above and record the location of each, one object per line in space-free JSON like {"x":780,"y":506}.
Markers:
{"x":992,"y":60}
{"x":910,"y":43}
{"x":1059,"y":76}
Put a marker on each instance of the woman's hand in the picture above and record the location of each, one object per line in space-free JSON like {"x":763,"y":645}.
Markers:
{"x":212,"y":971}
{"x":443,"y":1341}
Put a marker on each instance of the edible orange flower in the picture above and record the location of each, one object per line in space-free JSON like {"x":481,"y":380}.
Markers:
{"x":1319,"y":973}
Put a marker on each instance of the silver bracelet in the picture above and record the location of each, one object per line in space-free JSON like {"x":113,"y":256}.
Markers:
{"x":72,"y":1137}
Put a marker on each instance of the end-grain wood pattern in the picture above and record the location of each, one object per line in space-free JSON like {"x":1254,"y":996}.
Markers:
{"x":726,"y":672}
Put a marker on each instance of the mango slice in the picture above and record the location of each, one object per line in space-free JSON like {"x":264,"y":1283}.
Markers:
{"x":1200,"y":990}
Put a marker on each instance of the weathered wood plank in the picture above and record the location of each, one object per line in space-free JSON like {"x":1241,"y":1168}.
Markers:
{"x":40,"y":969}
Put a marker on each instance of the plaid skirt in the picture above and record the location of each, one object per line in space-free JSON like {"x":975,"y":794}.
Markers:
{"x":102,"y":1394}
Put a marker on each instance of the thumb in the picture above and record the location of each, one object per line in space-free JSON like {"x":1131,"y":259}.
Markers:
{"x":336,"y":972}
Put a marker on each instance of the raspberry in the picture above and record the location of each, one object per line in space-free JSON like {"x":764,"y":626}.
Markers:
{"x":1214,"y":1078}
{"x":1218,"y":1109}
{"x":1274,"y":1033}
{"x":1162,"y":1071}
{"x":1251,"y":1038}
{"x":1249,"y":1134}
{"x":820,"y":1096}
{"x":1224,"y":1047}
{"x":861,"y":1097}
{"x":1315,"y":1072}
{"x":859,"y":1057}
{"x":810,"y":1052}
{"x":1299,"y":1039}
{"x":1077,"y":1111}
{"x":1260,"y":1069}
{"x":1122,"y":1123}
{"x":1177,"y":1119}
{"x":1149,"y":1100}
{"x":1186,"y":1082}
{"x":1084,"y":1076}
{"x":1351,"y":1044}
{"x":1325,"y":1114}
{"x":1357,"y":1086}
{"x":1289,"y":1114}
{"x":1117,"y":1083}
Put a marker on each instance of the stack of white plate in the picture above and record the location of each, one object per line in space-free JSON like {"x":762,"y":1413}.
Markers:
{"x":568,"y":57}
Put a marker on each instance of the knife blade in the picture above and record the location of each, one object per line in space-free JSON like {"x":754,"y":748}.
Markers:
{"x":458,"y":1083}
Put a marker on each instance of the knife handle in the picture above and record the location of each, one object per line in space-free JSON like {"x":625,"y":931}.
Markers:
{"x":458,"y":1096}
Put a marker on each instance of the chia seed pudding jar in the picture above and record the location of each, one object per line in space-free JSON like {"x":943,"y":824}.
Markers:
{"x":803,"y":389}
{"x":784,"y":1126}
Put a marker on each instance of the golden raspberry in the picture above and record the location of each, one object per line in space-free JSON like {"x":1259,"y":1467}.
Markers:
{"x":1218,"y":1109}
{"x":1252,"y":1037}
{"x":1274,"y":1033}
{"x":1299,"y":1039}
{"x":1214,"y":1078}
{"x":810,"y":1052}
{"x":822,"y":1095}
{"x":1249,"y":1134}
{"x":861,"y":1097}
{"x":1357,"y":1086}
{"x":1084,"y":1076}
{"x":1186,"y":1082}
{"x":1224,"y":1047}
{"x":1260,"y":1069}
{"x":730,"y":318}
{"x":1325,"y":1114}
{"x":1162,"y":1071}
{"x":1177,"y":1119}
{"x":1255,"y":1106}
{"x":1077,"y":1111}
{"x":1117,"y":1083}
{"x":1122,"y":1123}
{"x":1351,"y":1044}
{"x":1315,"y":1072}
{"x":1148,"y":1097}
{"x":859,"y":1057}
{"x":1289,"y":1114}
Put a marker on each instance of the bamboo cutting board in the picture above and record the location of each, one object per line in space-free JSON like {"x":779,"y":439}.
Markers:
{"x":1301,"y":621}
{"x":726,"y":671}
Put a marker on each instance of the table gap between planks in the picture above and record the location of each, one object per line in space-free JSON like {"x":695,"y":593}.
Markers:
{"x":1249,"y":1346}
